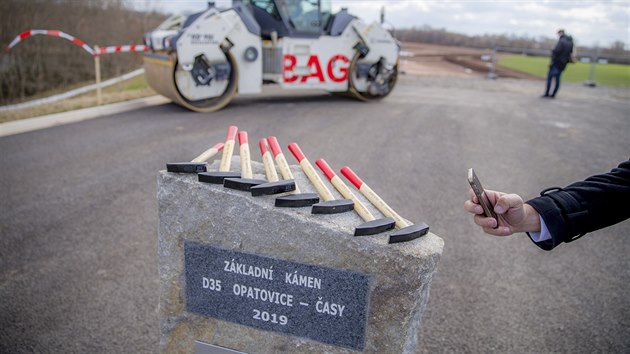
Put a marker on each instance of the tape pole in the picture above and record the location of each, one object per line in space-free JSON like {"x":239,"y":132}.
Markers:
{"x":97,"y":72}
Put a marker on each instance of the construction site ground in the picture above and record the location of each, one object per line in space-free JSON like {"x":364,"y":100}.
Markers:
{"x":431,"y":59}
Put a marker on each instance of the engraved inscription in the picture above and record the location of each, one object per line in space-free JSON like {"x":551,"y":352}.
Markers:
{"x":324,"y":304}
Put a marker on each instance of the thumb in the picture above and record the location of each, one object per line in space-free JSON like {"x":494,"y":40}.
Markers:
{"x":508,"y":201}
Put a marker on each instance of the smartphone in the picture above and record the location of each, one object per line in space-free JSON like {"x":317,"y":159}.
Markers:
{"x":488,"y":210}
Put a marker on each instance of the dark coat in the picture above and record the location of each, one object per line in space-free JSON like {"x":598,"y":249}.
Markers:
{"x":589,"y":205}
{"x":561,"y":54}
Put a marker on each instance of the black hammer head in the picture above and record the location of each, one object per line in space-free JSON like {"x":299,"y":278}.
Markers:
{"x":217,"y":177}
{"x":273,"y":188}
{"x":409,"y":233}
{"x":374,"y":227}
{"x":242,"y":184}
{"x":333,"y":206}
{"x":187,"y":167}
{"x":297,"y":200}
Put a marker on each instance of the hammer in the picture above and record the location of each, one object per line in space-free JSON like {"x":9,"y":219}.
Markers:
{"x":274,"y":186}
{"x":198,"y":164}
{"x":295,"y":199}
{"x":226,"y":161}
{"x":407,"y":231}
{"x":371,"y":225}
{"x":247,"y":181}
{"x":329,"y":205}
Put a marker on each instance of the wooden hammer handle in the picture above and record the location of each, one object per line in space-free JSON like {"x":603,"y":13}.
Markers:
{"x":283,"y":165}
{"x":228,"y":149}
{"x":345,"y":191}
{"x":270,"y":166}
{"x":246,"y":161}
{"x":373,"y":197}
{"x":206,"y":155}
{"x":310,"y":172}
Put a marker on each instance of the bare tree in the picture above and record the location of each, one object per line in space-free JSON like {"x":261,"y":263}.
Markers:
{"x":430,"y":35}
{"x":42,"y":63}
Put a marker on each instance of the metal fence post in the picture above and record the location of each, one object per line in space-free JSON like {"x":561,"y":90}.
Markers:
{"x":492,"y":72}
{"x":591,"y":75}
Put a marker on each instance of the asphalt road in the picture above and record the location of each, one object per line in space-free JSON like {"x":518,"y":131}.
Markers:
{"x":78,"y":268}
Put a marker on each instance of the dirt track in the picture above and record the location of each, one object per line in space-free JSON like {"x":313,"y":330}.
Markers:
{"x":431,"y":59}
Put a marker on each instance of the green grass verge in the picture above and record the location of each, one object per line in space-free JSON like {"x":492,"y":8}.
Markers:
{"x":136,"y":87}
{"x":605,"y":74}
{"x":135,"y":83}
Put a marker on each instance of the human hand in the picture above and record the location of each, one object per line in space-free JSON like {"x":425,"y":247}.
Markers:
{"x":513,"y":215}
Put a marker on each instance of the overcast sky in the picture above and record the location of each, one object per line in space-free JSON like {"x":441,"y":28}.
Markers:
{"x":589,"y":22}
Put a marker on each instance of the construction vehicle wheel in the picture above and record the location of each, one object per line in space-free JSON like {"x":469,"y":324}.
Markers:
{"x":162,"y":74}
{"x":387,"y":85}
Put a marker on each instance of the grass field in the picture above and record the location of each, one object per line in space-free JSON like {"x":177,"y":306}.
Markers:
{"x":136,"y":87}
{"x":605,"y":74}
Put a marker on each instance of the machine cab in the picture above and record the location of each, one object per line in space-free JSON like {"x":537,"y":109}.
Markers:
{"x":291,"y":18}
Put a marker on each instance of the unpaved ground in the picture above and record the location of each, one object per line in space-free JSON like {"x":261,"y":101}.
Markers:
{"x":431,"y":59}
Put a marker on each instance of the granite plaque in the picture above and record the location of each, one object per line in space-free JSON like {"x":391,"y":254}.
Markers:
{"x":323,"y":304}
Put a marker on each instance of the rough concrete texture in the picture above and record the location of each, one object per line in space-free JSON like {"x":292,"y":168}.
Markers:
{"x":234,"y":220}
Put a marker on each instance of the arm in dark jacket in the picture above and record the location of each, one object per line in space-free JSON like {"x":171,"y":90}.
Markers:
{"x":589,"y":205}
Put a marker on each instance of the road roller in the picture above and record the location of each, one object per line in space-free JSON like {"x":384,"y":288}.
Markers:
{"x":202,"y":60}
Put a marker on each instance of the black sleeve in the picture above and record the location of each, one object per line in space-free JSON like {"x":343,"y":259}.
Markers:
{"x":589,"y":205}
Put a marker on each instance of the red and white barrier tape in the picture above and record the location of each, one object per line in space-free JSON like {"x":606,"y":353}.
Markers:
{"x":53,"y":33}
{"x":95,"y":52}
{"x":122,"y":49}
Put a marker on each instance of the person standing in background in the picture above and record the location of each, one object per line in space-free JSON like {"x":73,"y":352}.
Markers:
{"x":560,"y":57}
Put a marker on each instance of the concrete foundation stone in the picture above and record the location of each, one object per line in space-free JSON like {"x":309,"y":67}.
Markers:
{"x":380,"y":289}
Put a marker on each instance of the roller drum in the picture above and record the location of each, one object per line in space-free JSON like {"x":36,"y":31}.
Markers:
{"x":160,"y":71}
{"x":386,"y":87}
